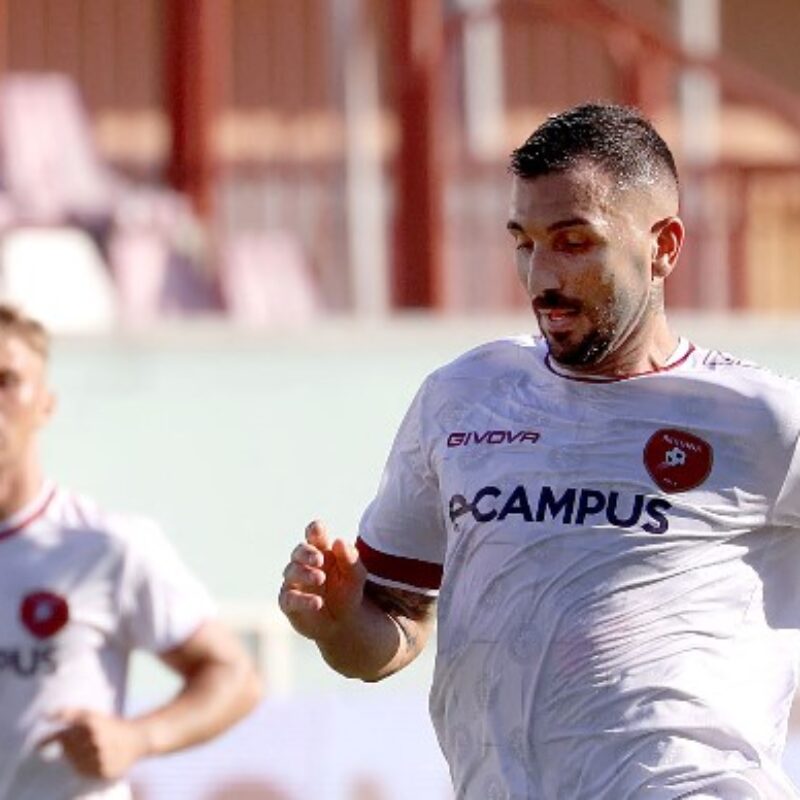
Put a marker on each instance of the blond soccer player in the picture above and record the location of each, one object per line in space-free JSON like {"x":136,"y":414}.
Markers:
{"x":80,"y":589}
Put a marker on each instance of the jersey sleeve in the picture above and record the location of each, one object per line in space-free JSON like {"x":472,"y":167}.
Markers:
{"x":402,"y":533}
{"x":162,"y":602}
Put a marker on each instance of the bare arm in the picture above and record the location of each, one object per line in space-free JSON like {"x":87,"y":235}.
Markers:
{"x":219,"y":688}
{"x":363,"y":630}
{"x":390,"y":631}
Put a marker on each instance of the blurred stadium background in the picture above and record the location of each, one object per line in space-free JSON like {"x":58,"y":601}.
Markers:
{"x":255,"y":226}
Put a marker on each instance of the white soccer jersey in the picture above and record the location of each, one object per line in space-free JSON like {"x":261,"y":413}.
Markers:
{"x":619,"y":614}
{"x":79,"y":591}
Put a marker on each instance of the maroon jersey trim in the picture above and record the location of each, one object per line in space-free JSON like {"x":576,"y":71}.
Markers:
{"x":30,"y":518}
{"x":410,"y":571}
{"x":602,"y":379}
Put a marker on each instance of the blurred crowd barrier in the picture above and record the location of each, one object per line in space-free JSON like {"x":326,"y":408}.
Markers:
{"x":346,"y":746}
{"x":297,"y":126}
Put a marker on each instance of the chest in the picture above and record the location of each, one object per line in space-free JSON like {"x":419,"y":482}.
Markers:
{"x":55,"y":603}
{"x":542,"y":459}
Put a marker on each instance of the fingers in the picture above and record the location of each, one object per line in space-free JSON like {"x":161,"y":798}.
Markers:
{"x":293,"y":601}
{"x":348,"y":561}
{"x":308,"y":555}
{"x":298,"y":576}
{"x":322,"y":582}
{"x":346,"y":554}
{"x":306,"y":568}
{"x":317,"y":535}
{"x":75,"y":740}
{"x":68,"y":719}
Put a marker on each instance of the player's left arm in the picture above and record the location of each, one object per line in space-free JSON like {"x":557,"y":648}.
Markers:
{"x":413,"y":615}
{"x":220,"y":687}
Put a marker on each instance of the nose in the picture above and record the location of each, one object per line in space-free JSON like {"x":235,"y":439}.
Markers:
{"x":539,"y":272}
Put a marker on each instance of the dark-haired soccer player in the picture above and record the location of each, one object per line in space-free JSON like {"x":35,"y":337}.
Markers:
{"x":80,"y":589}
{"x":609,"y":516}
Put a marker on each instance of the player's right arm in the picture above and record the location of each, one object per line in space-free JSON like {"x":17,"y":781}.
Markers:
{"x":363,"y":630}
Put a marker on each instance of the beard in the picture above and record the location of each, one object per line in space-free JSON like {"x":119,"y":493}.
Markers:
{"x":572,"y":350}
{"x":608,"y":321}
{"x":589,"y":350}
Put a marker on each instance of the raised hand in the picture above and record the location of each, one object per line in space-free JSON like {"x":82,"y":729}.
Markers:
{"x":323,"y":584}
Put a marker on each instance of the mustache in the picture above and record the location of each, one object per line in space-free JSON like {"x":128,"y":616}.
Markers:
{"x":552,"y":300}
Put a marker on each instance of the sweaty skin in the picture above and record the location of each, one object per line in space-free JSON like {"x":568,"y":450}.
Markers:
{"x":593,"y":257}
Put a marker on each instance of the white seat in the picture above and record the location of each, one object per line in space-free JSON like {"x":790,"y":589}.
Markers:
{"x":266,"y":280}
{"x":57,"y":276}
{"x":50,"y":165}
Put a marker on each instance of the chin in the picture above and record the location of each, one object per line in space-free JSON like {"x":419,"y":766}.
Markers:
{"x":589,"y":351}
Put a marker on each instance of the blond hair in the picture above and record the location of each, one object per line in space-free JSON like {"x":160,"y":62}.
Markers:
{"x":32,"y":332}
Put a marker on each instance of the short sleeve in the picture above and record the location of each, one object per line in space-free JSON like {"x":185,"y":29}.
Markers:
{"x":786,"y":510}
{"x":163,"y":603}
{"x":402,"y":534}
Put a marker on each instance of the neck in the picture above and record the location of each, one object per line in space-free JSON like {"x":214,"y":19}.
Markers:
{"x":18,"y":487}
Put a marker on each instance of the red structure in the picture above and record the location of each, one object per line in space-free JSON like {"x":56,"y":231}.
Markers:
{"x":419,"y":219}
{"x":197,"y":66}
{"x":239,"y":104}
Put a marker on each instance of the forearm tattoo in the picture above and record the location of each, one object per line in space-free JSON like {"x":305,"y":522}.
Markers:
{"x":407,"y":609}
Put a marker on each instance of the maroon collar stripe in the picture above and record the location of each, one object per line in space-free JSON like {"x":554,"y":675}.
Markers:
{"x":618,"y":379}
{"x":30,"y":518}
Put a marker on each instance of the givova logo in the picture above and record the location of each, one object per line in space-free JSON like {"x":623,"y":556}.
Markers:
{"x":465,"y":438}
{"x":571,"y":506}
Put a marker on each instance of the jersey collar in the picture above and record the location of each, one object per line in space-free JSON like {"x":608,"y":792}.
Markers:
{"x":684,"y":349}
{"x":28,"y":513}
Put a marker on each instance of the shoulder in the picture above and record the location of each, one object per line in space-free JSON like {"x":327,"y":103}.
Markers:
{"x":83,"y":519}
{"x":731,"y":369}
{"x":745,"y":384}
{"x":492,"y":359}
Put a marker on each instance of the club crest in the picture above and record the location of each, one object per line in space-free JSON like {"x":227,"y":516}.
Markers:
{"x":44,"y":613}
{"x":677,"y":460}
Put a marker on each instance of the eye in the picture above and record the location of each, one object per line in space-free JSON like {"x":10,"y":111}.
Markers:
{"x":572,"y":240}
{"x":8,"y":379}
{"x":522,"y":242}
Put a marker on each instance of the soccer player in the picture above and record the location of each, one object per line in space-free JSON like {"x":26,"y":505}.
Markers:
{"x":609,"y":516}
{"x":79,"y":590}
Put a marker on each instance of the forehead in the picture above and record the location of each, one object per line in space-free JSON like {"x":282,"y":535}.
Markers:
{"x":17,"y":354}
{"x":581,"y":192}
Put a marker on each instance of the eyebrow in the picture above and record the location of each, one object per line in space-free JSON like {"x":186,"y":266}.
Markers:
{"x":572,"y":222}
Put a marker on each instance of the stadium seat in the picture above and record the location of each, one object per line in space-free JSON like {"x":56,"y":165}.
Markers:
{"x":57,"y":276}
{"x":266,"y":280}
{"x":50,"y":166}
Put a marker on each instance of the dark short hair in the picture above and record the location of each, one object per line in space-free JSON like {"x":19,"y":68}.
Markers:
{"x":618,"y":139}
{"x":15,"y":322}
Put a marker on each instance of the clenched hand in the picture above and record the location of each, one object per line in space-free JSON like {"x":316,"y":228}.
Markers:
{"x":98,"y":745}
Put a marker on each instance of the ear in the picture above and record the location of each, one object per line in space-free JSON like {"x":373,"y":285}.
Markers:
{"x":668,"y":237}
{"x":47,"y":407}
